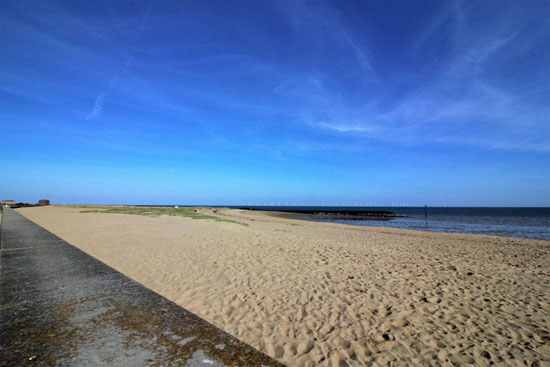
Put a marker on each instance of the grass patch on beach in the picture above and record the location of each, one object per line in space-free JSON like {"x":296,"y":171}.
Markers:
{"x":153,"y":211}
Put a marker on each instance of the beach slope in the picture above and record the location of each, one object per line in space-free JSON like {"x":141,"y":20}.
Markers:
{"x":324,"y":294}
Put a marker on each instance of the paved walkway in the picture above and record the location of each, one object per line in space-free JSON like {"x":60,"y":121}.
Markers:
{"x":60,"y":306}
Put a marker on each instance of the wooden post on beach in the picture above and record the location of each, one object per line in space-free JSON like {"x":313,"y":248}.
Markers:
{"x":426,"y":215}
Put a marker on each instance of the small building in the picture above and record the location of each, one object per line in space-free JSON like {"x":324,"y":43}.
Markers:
{"x":43,"y":202}
{"x":8,"y":202}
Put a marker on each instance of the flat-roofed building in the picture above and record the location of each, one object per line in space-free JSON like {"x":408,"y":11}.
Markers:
{"x":43,"y":202}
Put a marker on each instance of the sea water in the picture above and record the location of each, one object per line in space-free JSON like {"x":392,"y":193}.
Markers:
{"x":508,"y":222}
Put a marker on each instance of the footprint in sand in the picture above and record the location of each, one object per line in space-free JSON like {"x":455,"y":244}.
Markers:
{"x":221,"y":280}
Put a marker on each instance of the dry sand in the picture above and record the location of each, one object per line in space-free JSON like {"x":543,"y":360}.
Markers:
{"x":321,"y":294}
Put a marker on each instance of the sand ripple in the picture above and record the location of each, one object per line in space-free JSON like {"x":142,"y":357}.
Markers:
{"x":321,"y":294}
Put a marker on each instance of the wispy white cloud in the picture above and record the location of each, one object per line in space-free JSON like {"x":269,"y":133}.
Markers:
{"x":367,"y":71}
{"x":346,"y":128}
{"x":100,"y":99}
{"x":97,"y":109}
{"x":319,"y":24}
{"x":460,"y":104}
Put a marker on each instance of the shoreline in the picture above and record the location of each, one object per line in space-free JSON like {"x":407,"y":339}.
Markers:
{"x":323,"y":294}
{"x":298,"y":217}
{"x":431,"y":225}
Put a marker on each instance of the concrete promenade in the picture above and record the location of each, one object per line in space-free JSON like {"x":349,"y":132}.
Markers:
{"x":61,"y":307}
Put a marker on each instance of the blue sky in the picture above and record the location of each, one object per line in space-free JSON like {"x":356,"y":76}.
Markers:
{"x":276,"y":102}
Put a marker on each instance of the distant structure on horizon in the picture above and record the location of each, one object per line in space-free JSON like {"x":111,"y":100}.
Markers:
{"x":13,"y":204}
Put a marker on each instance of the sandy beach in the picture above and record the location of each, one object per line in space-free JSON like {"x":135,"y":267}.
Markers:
{"x":324,"y":294}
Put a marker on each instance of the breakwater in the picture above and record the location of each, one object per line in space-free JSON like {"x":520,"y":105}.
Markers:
{"x":339,"y":213}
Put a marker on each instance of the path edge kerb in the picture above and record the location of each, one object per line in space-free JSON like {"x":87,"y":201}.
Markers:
{"x":161,"y":314}
{"x":115,"y":270}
